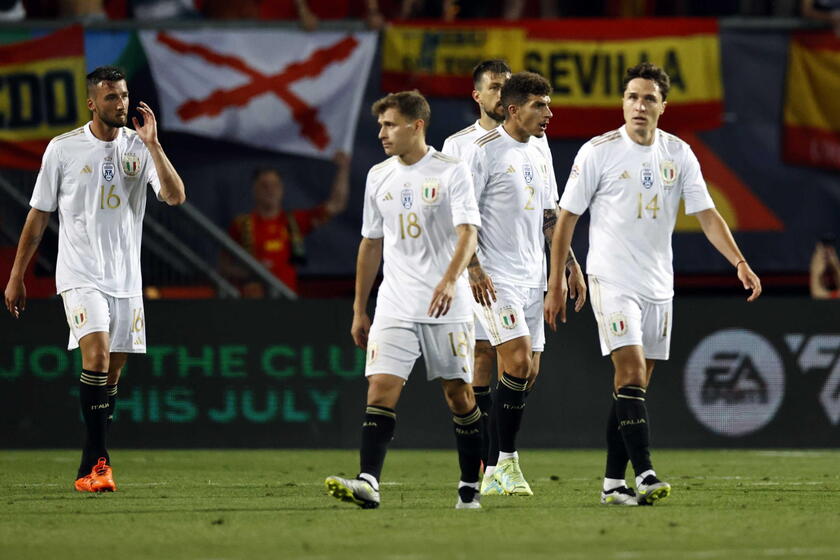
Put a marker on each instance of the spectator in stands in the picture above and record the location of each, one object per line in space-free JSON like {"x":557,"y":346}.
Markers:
{"x":825,"y":270}
{"x":308,"y":12}
{"x":145,"y":10}
{"x":12,"y":10}
{"x":274,"y":236}
{"x":823,"y":10}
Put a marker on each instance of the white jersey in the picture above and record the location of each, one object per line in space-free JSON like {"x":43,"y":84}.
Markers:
{"x":99,"y":189}
{"x":456,"y":144}
{"x":415,"y":208}
{"x":514,"y":183}
{"x":633,"y":194}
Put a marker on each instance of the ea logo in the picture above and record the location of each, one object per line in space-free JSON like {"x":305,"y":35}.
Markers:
{"x":734,"y":382}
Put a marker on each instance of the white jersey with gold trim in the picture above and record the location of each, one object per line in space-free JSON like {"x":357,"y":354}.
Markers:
{"x":99,"y":189}
{"x":633,"y":194}
{"x":514,"y":183}
{"x":415,"y":208}
{"x":455,"y":144}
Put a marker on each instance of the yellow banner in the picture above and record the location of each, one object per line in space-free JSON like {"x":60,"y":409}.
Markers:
{"x":42,"y":99}
{"x":590,"y":73}
{"x":449,"y":51}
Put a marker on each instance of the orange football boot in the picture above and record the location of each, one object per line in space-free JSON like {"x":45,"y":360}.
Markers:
{"x":100,"y":479}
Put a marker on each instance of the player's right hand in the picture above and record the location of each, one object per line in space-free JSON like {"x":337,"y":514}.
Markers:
{"x":484,"y":292}
{"x":555,"y":302}
{"x":15,"y":297}
{"x":360,"y":329}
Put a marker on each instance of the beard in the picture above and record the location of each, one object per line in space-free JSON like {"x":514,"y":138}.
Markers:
{"x":114,"y":122}
{"x":496,"y":116}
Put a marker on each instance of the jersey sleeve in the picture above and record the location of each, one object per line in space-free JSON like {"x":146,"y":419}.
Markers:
{"x":450,"y":148}
{"x":582,"y":182}
{"x":150,"y":175}
{"x":45,"y":193}
{"x":476,"y":161}
{"x":462,"y":197}
{"x":694,"y":190}
{"x":371,"y":216}
{"x":550,"y":201}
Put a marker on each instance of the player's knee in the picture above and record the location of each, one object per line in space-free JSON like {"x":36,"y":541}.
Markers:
{"x":96,"y":359}
{"x":519,"y":366}
{"x":636,"y":376}
{"x":460,"y":398}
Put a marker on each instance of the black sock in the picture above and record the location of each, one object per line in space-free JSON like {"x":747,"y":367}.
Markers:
{"x":93,"y":399}
{"x":111,"y":390}
{"x":377,"y":432}
{"x":493,"y":433}
{"x":484,"y":401}
{"x":469,"y":432}
{"x":616,"y":450}
{"x":510,"y":405}
{"x":633,"y":424}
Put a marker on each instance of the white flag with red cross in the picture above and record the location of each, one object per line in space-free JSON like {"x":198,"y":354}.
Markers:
{"x":286,"y":91}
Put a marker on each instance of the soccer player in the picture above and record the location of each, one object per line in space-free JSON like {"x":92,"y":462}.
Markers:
{"x":488,"y":78}
{"x":420,"y":211}
{"x":632,"y":180}
{"x":96,"y":177}
{"x":517,"y":195}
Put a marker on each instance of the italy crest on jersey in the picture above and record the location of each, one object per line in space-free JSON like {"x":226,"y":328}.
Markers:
{"x":669,"y":173}
{"x":646,"y":176}
{"x":131,"y":164}
{"x":430,"y":190}
{"x":108,"y":171}
{"x":617,"y":324}
{"x":507,"y":316}
{"x":527,"y":172}
{"x":407,"y":197}
{"x":79,"y":317}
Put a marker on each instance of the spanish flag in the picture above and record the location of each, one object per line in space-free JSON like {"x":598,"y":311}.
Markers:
{"x":42,"y":94}
{"x":812,"y":104}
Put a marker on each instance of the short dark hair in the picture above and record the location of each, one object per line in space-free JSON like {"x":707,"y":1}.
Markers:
{"x":493,"y":66}
{"x":648,"y":71}
{"x":104,"y":74}
{"x":260,"y":171}
{"x":410,"y":104}
{"x":521,"y":86}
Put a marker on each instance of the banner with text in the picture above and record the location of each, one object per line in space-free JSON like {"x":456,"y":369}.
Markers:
{"x":42,"y":94}
{"x":584,"y":60}
{"x":812,"y":107}
{"x":280,"y":374}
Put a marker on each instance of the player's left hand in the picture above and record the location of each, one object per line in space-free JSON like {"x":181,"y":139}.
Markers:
{"x":577,"y":286}
{"x":555,"y":302}
{"x":442,"y":298}
{"x":750,"y":280}
{"x":148,"y":130}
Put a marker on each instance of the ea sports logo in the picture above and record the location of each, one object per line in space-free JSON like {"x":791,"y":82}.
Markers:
{"x":734,"y":382}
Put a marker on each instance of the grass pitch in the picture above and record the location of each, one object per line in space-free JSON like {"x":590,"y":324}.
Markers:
{"x":272,"y":504}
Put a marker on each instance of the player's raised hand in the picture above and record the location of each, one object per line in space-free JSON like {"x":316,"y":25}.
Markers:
{"x":749,"y":279}
{"x":555,"y":302}
{"x":577,"y":287}
{"x":442,"y":298}
{"x":483,"y":290}
{"x":15,"y":297}
{"x":148,"y":130}
{"x":360,"y":329}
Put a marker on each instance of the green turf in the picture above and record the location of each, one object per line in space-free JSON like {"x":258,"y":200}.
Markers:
{"x":271,"y":504}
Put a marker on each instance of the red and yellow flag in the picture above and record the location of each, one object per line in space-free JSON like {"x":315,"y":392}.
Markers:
{"x":42,"y":94}
{"x":812,"y":105}
{"x":584,"y":60}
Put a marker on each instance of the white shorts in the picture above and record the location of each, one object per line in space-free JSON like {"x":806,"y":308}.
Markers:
{"x":625,"y":319}
{"x":516,"y":312}
{"x":394,"y":345}
{"x":88,"y":310}
{"x":480,"y":333}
